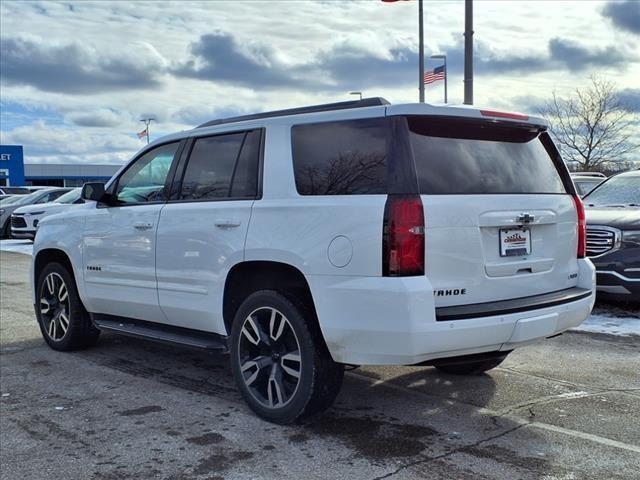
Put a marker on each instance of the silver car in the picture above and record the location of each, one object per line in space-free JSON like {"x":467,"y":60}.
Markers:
{"x":8,"y":205}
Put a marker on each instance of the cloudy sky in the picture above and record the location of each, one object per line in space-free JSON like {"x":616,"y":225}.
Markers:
{"x":76,"y":77}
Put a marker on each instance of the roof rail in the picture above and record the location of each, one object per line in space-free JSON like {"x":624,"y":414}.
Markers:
{"x":365,"y":102}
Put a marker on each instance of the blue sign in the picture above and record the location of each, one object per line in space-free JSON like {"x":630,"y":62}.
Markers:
{"x":12,"y":164}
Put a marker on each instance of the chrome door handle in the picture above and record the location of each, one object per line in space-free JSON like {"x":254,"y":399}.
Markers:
{"x":227,"y":223}
{"x":142,"y":225}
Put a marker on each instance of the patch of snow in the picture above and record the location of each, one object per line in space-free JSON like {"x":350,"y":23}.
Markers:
{"x":599,"y":323}
{"x":19,"y":246}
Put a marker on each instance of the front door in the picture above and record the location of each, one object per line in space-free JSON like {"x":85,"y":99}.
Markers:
{"x":120,"y":240}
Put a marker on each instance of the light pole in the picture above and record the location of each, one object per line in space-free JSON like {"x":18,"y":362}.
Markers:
{"x":421,"y":50}
{"x":468,"y":52}
{"x":444,"y":58}
{"x":356,"y":93}
{"x":147,"y":121}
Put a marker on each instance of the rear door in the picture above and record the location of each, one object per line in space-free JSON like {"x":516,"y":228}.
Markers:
{"x":202,"y":229}
{"x":499,"y":221}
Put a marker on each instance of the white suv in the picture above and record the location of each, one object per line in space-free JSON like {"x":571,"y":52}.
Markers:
{"x":308,"y":239}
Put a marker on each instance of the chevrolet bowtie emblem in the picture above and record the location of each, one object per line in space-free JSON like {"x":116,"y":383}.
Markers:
{"x":525,"y":218}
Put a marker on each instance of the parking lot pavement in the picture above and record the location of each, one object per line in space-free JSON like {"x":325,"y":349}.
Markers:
{"x":564,"y":409}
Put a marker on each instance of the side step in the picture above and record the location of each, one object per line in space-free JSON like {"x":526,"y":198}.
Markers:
{"x":160,"y":332}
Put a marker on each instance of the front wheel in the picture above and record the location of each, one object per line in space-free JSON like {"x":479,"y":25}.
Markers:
{"x":279,"y":360}
{"x":63,"y":320}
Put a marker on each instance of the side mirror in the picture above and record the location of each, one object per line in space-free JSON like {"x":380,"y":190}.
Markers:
{"x":93,"y":191}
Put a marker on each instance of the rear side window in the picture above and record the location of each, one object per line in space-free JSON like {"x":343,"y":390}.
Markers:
{"x":222,"y":166}
{"x":341,"y":158}
{"x":469,"y":157}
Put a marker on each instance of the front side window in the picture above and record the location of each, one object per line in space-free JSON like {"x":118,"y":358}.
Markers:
{"x":143,"y":182}
{"x":341,"y":158}
{"x":222,"y":166}
{"x":51,"y":196}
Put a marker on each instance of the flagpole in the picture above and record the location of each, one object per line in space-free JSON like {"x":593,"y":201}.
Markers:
{"x":421,"y":51}
{"x":147,"y":122}
{"x":445,"y":79}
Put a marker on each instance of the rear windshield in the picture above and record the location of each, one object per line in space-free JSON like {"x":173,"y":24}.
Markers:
{"x":455,"y":156}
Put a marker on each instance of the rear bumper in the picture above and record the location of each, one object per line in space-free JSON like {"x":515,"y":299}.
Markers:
{"x":385,"y":321}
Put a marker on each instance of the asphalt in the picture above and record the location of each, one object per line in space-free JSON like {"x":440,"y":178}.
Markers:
{"x":565,"y":409}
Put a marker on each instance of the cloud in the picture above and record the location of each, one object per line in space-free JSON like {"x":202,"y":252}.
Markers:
{"x":219,"y":58}
{"x":576,"y":57}
{"x":75,"y":68}
{"x":624,"y":15}
{"x":630,"y":99}
{"x":348,"y":67}
{"x":561,"y":54}
{"x":72,"y":144}
{"x":99,"y":118}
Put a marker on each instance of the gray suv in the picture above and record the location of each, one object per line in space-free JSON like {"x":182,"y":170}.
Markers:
{"x":613,"y":235}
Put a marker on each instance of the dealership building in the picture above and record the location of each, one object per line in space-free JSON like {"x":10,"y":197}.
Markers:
{"x":14,"y":172}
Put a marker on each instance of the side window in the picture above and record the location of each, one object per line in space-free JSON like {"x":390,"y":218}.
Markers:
{"x":144,"y":181}
{"x":341,"y":158}
{"x":50,"y":197}
{"x":53,"y":195}
{"x":222,"y":166}
{"x":245,"y":177}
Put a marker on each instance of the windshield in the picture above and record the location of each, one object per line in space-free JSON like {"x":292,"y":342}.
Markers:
{"x":617,"y":191}
{"x":69,"y":197}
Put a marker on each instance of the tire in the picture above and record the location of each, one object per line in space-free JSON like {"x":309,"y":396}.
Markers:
{"x":471,"y":368}
{"x":6,"y":230}
{"x":64,"y":323}
{"x":279,"y":359}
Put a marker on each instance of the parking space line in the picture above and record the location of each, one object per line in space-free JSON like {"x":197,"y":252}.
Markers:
{"x":513,"y":418}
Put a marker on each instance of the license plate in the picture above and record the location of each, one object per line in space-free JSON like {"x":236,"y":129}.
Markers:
{"x":515,"y":242}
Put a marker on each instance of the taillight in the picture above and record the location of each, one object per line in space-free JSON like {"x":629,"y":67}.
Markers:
{"x":403,"y":236}
{"x":513,"y":116}
{"x":582,"y":227}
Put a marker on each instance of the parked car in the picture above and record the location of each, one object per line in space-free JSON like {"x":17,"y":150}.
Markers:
{"x":587,"y":181}
{"x":303,"y":240}
{"x":613,"y":235}
{"x":25,"y":220}
{"x":9,"y":191}
{"x":8,"y":205}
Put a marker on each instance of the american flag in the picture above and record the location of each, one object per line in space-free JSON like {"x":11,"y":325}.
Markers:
{"x":142,"y":134}
{"x":434,"y":75}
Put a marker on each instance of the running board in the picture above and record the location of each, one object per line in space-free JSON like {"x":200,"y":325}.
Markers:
{"x":160,"y":332}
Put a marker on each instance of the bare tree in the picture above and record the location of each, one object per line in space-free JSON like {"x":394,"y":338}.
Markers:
{"x":592,"y":127}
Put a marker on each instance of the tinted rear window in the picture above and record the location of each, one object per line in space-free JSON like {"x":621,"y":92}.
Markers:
{"x":341,"y":158}
{"x":471,"y":157}
{"x":223,"y":166}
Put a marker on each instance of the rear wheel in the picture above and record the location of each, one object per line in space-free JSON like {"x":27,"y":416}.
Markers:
{"x":63,"y":320}
{"x":471,"y":368}
{"x":279,"y":360}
